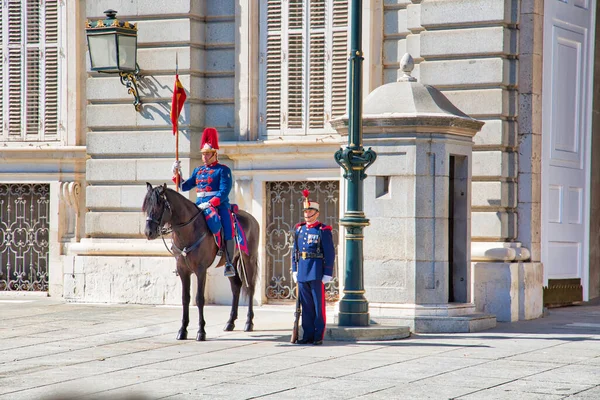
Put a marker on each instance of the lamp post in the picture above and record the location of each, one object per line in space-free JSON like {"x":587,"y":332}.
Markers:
{"x":354,"y":159}
{"x":112,"y":47}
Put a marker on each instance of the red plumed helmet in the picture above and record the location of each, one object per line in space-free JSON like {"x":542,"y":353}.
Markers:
{"x":210,"y":140}
{"x":307,"y":204}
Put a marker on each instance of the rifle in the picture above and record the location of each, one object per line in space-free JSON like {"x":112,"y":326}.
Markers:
{"x":297,"y":317}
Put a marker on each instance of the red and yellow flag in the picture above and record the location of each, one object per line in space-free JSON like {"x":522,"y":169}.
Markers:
{"x":179,"y":97}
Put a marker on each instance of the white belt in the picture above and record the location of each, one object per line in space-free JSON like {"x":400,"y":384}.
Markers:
{"x":204,"y":194}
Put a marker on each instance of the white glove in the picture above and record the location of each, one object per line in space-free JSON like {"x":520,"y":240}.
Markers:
{"x":176,"y":167}
{"x":326,"y":278}
{"x":295,"y":276}
{"x":204,"y":206}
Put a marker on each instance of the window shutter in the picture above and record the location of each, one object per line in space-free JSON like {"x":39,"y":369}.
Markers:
{"x":305,"y":68}
{"x":295,"y":67}
{"x":32,"y":71}
{"x":2,"y":53}
{"x":14,"y":68}
{"x":273,"y":67}
{"x":339,"y":68}
{"x":316,"y":104}
{"x":51,"y":71}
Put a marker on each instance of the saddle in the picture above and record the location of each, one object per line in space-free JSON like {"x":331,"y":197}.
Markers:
{"x":213,"y":221}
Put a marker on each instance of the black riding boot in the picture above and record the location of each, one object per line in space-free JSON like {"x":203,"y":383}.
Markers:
{"x":229,"y":270}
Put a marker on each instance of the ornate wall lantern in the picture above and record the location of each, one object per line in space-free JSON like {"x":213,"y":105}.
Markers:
{"x":113,"y":49}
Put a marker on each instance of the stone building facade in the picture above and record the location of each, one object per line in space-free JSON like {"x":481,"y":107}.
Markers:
{"x":507,"y":63}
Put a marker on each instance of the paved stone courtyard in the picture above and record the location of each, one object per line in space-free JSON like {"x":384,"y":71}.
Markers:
{"x":50,"y":349}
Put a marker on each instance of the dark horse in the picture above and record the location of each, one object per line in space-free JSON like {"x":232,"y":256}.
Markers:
{"x":195,"y":249}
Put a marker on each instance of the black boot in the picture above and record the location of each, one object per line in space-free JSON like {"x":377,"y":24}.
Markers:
{"x":229,"y":270}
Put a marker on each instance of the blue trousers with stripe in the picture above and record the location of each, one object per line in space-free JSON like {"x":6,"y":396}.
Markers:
{"x":312,"y":298}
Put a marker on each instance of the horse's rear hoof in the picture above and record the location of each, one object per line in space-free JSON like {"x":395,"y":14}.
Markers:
{"x":249,"y":327}
{"x":201,"y":337}
{"x":182,"y":334}
{"x":229,"y":327}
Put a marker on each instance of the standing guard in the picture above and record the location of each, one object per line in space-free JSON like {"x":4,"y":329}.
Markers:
{"x":213,"y":183}
{"x":312,"y":267}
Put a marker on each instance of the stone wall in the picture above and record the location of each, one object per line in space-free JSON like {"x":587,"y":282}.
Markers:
{"x":128,"y":148}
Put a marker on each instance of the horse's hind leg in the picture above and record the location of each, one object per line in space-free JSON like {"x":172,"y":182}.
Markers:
{"x":250,"y":290}
{"x":201,"y":275}
{"x":236,"y":287}
{"x":185,"y":301}
{"x":250,"y":317}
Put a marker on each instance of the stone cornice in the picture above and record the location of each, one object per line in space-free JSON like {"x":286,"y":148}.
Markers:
{"x":281,"y":149}
{"x":412,"y":123}
{"x":43,"y":153}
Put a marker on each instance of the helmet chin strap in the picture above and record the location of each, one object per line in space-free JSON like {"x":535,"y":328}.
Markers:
{"x":311,"y":218}
{"x":212,"y":158}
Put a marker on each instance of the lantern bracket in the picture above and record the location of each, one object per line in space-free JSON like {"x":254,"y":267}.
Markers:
{"x":129,"y":80}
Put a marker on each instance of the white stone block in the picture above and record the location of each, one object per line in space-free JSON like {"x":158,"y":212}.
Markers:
{"x":155,"y":115}
{"x":388,"y":233}
{"x":115,"y":224}
{"x":435,"y":13}
{"x":393,"y":161}
{"x":493,"y":225}
{"x":219,"y":88}
{"x":493,"y":133}
{"x":413,"y":47}
{"x":136,"y":143}
{"x":220,"y":8}
{"x":220,"y":115}
{"x":480,"y":102}
{"x":491,"y":194}
{"x":462,"y":42}
{"x":430,"y":238}
{"x":396,"y":3}
{"x":393,"y":50}
{"x":103,"y":115}
{"x":219,"y":60}
{"x":399,"y":202}
{"x":431,"y":282}
{"x":389,"y":281}
{"x":110,"y":171}
{"x":150,"y":87}
{"x":413,"y":18}
{"x":170,"y":31}
{"x":511,"y":291}
{"x":395,"y":23}
{"x":474,"y":72}
{"x":220,"y":32}
{"x":489,"y":163}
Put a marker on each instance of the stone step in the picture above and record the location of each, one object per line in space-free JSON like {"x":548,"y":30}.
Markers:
{"x":442,"y":324}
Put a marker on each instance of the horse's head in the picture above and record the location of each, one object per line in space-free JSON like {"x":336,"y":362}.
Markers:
{"x":157,"y":209}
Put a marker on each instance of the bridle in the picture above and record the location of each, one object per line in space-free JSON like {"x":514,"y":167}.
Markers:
{"x":162,"y":230}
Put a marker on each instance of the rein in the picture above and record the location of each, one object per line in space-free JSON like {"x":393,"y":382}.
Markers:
{"x":165,"y":231}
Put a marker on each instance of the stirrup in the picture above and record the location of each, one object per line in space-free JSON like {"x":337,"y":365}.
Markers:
{"x":229,"y":271}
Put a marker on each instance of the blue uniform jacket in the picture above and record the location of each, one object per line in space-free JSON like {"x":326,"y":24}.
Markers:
{"x":316,"y":239}
{"x":213,"y":183}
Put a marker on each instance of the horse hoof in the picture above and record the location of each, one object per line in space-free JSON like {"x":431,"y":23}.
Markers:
{"x":229,"y":327}
{"x":201,"y":337}
{"x":249,"y":327}
{"x":182,"y":334}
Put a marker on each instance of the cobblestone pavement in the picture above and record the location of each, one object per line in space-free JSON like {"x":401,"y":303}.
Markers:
{"x":50,"y":349}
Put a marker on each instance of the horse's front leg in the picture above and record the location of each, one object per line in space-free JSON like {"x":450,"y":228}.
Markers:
{"x":236,"y":287}
{"x":201,"y":275}
{"x":185,"y":301}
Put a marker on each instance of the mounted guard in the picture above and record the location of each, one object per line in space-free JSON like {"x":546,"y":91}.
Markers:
{"x":213,"y":182}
